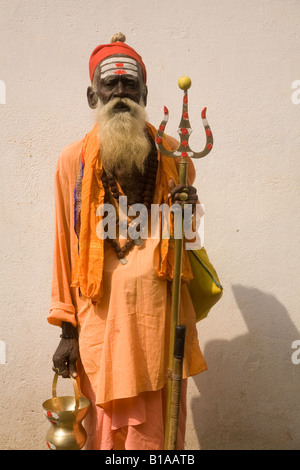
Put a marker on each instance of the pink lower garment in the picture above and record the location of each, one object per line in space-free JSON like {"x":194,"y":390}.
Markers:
{"x":135,"y":423}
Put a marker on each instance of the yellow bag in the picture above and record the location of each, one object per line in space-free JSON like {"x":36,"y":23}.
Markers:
{"x":205,"y":289}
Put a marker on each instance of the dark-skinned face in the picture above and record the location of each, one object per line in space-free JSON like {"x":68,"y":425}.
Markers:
{"x":117,"y":86}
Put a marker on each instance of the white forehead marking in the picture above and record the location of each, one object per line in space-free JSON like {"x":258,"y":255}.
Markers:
{"x":119,"y":72}
{"x":115,"y":59}
{"x":118,"y":66}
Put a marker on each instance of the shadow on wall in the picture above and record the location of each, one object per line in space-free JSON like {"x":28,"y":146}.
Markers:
{"x":249,"y":396}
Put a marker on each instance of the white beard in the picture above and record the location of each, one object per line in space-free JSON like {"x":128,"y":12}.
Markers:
{"x":123,"y":141}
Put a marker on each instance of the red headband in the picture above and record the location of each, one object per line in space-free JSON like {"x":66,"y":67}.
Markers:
{"x":106,"y":50}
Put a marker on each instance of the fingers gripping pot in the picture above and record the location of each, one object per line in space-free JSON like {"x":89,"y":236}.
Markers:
{"x":66,"y":414}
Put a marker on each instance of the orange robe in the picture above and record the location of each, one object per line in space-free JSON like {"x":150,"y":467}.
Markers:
{"x":124,"y":339}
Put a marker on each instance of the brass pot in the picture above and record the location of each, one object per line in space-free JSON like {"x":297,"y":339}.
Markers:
{"x":66,"y":415}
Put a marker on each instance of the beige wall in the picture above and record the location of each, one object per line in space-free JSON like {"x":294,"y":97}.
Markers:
{"x":243,"y":57}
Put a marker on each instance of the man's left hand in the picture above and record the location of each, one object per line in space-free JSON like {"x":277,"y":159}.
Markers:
{"x":175,"y":191}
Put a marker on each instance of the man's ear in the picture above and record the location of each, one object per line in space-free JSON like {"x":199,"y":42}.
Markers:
{"x":145,"y":95}
{"x":92,"y":97}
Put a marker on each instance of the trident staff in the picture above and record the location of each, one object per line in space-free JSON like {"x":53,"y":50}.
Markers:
{"x":177,"y":333}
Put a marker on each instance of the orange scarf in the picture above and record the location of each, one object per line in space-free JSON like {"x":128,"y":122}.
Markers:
{"x":89,"y":258}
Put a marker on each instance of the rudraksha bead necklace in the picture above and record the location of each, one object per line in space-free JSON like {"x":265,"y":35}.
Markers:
{"x":144,"y":195}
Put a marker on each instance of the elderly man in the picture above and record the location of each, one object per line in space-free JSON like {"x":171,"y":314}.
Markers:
{"x":111,"y":296}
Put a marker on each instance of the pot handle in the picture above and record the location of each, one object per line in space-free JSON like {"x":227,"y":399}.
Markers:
{"x":75,"y":386}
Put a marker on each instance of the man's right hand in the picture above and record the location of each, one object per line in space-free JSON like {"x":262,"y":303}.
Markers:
{"x":66,"y":355}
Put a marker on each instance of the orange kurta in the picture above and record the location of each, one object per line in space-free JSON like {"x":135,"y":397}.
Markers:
{"x":123,"y":339}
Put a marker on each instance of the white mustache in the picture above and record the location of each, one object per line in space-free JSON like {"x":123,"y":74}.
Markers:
{"x":115,"y":102}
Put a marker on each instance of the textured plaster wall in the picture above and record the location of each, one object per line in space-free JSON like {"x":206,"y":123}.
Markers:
{"x":243,"y":57}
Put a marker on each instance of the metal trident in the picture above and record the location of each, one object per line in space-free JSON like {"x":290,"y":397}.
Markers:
{"x":184,"y":129}
{"x":177,"y":333}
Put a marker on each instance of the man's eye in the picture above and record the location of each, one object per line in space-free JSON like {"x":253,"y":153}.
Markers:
{"x":130,"y":85}
{"x":109,"y":83}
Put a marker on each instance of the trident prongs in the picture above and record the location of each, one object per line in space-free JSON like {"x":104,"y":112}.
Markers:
{"x":184,"y":131}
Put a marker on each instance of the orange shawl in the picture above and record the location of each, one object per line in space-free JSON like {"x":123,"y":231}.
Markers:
{"x":89,"y":257}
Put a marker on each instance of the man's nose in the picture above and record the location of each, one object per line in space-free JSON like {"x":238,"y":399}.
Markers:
{"x":119,"y":90}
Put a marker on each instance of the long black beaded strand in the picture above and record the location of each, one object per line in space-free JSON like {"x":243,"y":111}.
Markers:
{"x":147,"y":189}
